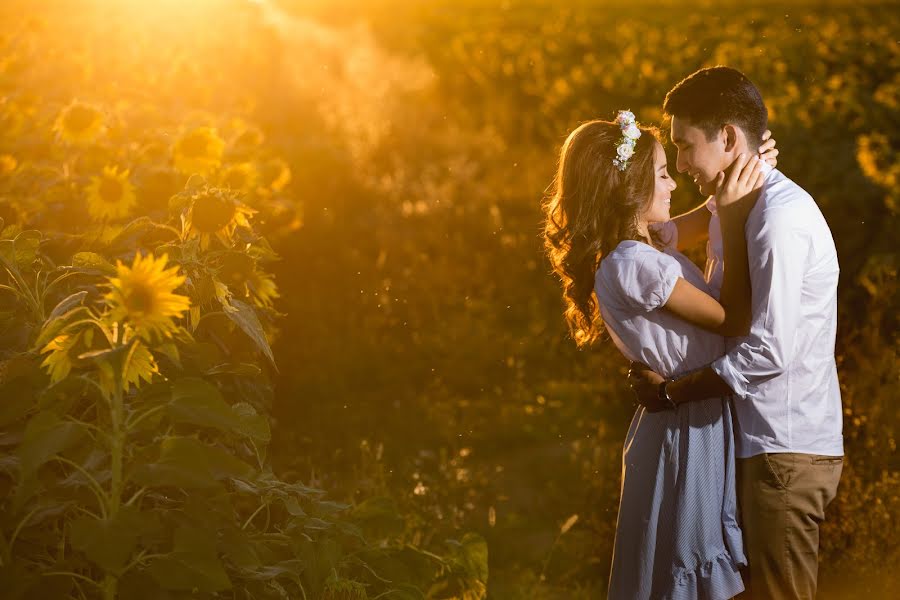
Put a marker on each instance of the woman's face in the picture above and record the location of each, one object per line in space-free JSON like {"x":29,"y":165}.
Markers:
{"x":658,"y":211}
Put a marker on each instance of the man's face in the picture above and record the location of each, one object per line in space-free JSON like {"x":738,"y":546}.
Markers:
{"x":702,"y":159}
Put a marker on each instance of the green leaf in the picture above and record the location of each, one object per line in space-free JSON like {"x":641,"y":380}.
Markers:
{"x":20,"y":253}
{"x":137,"y":584}
{"x":404,"y":591}
{"x":58,"y":318}
{"x":330,"y":507}
{"x":194,"y":564}
{"x":467,"y":577}
{"x":189,"y":463}
{"x":18,"y":400}
{"x":317,"y":524}
{"x":320,"y":558}
{"x":92,"y":262}
{"x":46,"y":435}
{"x":472,"y":552}
{"x":240,"y":550}
{"x":109,"y":543}
{"x":20,"y":580}
{"x":379,"y":517}
{"x":246,"y":319}
{"x":338,"y":588}
{"x":132,"y":234}
{"x":253,"y":424}
{"x":198,"y":402}
{"x":289,"y":569}
{"x":66,"y":304}
{"x":243,"y":369}
{"x":293,"y":506}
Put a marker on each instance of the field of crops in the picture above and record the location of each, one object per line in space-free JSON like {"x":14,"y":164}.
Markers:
{"x":275,"y":320}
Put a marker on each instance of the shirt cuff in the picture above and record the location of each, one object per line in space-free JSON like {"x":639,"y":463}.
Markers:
{"x":738,"y":383}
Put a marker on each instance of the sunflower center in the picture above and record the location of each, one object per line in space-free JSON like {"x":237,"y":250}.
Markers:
{"x":140,"y":299}
{"x":110,"y":190}
{"x":194,"y":144}
{"x":211,"y":213}
{"x":79,"y":118}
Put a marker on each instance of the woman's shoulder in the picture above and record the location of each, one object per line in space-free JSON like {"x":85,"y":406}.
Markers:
{"x":632,"y":258}
{"x":636,"y":276}
{"x":633,"y":251}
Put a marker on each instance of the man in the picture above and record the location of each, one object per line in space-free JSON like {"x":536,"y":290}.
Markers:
{"x":783,"y":374}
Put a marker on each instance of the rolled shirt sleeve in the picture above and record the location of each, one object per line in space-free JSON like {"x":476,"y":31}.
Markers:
{"x":778,"y":251}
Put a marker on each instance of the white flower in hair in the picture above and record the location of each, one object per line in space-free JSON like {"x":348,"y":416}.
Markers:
{"x":625,"y":151}
{"x":630,"y":134}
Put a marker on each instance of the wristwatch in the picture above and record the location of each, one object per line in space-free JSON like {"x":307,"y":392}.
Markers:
{"x":664,"y":396}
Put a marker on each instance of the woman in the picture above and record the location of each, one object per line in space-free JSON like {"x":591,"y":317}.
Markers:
{"x":677,"y":535}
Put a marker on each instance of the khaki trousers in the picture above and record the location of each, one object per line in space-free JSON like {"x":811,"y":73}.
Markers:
{"x":782,"y":502}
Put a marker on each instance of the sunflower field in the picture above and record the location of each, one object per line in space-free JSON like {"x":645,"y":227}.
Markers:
{"x":275,"y":320}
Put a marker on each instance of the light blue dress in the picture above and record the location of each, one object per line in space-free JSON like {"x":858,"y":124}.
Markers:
{"x":677,"y":534}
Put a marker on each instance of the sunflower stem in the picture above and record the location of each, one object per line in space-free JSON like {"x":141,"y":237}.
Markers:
{"x":110,"y":581}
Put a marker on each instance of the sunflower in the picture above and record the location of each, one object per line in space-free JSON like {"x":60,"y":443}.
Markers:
{"x":142,"y":296}
{"x":238,"y":271}
{"x":241,"y":176}
{"x":263,"y":290}
{"x":218,"y":212}
{"x":111,"y":195}
{"x":79,"y":123}
{"x":198,"y":151}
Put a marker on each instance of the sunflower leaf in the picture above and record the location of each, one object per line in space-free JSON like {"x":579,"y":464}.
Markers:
{"x":194,"y":564}
{"x":92,"y":262}
{"x":245,"y":318}
{"x":19,"y":253}
{"x":45,"y":436}
{"x":198,"y":402}
{"x":66,"y":304}
{"x":109,"y":543}
{"x":189,"y":463}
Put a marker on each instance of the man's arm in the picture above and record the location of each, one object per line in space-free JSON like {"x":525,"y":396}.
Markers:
{"x":778,"y":254}
{"x":693,"y":227}
{"x":777,"y":260}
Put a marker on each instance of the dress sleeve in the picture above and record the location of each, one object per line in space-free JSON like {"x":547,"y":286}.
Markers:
{"x":639,"y":279}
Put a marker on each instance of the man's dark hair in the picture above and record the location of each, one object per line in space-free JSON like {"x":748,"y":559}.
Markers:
{"x":715,"y":96}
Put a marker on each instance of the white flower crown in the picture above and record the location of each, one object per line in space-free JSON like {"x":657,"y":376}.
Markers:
{"x":630,"y":134}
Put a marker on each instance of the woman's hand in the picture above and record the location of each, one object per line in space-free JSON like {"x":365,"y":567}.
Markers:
{"x":767,"y":151}
{"x":645,"y":384}
{"x":739,"y":186}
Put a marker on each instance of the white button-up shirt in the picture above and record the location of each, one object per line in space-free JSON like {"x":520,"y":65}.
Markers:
{"x":784,"y":375}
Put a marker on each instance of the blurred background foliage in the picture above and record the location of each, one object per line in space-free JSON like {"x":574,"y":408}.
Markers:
{"x":395,"y":153}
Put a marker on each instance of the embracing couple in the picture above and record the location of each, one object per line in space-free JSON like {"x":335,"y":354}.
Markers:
{"x":736,"y":448}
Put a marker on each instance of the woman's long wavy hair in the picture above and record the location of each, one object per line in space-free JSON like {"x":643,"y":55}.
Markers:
{"x":590,"y":207}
